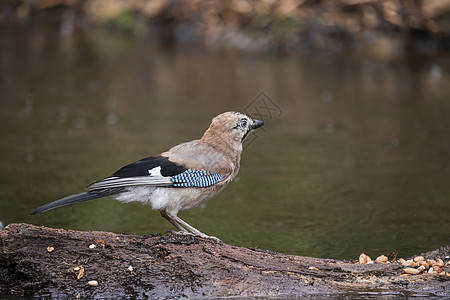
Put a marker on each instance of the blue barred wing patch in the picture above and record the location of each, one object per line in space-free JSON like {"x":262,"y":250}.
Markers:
{"x":196,"y":178}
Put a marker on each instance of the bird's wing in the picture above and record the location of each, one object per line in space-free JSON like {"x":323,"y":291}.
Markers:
{"x":157,"y":171}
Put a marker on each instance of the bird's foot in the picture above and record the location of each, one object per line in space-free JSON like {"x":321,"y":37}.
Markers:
{"x":199,"y":234}
{"x":181,"y":232}
{"x":215,"y":239}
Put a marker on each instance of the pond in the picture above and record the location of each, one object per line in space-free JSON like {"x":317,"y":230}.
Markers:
{"x":353,"y":157}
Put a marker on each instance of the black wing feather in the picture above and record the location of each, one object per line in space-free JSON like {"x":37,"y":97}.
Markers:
{"x":141,"y":167}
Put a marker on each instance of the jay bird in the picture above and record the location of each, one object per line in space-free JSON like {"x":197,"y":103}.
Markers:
{"x":181,"y":178}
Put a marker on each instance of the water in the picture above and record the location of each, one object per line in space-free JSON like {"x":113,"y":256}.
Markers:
{"x":353,"y":157}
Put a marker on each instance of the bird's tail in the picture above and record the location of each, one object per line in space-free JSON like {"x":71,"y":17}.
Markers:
{"x":76,"y":198}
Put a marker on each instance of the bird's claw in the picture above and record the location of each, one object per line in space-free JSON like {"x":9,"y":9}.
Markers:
{"x":215,"y":239}
{"x":181,"y":232}
{"x":202,"y":235}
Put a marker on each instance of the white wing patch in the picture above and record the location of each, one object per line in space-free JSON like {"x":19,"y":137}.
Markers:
{"x":156,"y":171}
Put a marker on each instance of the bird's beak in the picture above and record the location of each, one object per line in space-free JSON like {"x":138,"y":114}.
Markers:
{"x":257,"y":124}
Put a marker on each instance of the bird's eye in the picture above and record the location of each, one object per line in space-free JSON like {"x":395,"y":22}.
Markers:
{"x":244,"y":123}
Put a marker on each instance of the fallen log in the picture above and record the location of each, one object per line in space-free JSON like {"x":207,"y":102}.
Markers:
{"x":43,"y":261}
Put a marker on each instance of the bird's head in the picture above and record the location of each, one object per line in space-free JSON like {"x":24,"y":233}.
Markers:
{"x":231,"y":127}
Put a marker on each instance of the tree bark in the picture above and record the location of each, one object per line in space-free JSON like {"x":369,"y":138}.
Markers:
{"x":44,"y":261}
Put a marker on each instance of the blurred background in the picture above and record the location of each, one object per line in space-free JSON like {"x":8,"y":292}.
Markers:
{"x":355,"y":96}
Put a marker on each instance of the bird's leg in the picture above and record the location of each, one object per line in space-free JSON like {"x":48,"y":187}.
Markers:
{"x":172,"y":221}
{"x":185,"y":227}
{"x":195,"y":231}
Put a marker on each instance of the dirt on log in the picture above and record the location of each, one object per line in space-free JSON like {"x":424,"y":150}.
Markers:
{"x":43,"y":261}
